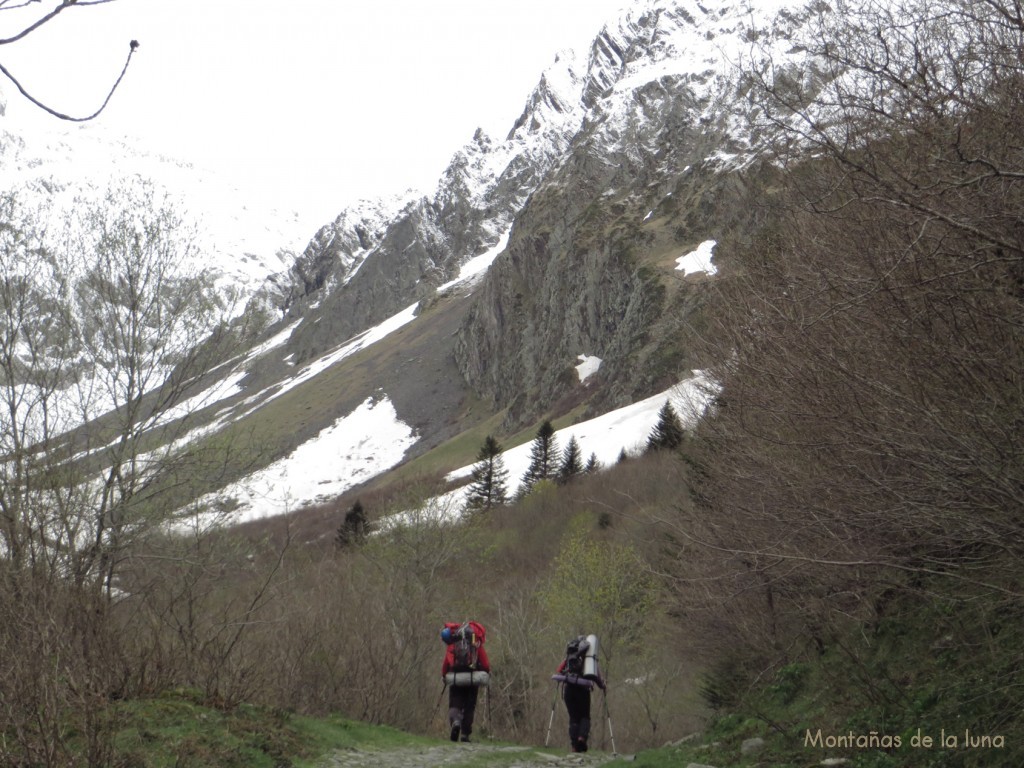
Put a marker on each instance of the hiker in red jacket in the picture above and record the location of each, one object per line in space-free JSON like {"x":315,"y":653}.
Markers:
{"x":465,"y":670}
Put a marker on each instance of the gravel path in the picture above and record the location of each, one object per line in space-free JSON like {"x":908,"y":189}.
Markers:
{"x":453,"y":756}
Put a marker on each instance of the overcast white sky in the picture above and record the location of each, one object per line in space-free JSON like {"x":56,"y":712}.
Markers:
{"x":322,"y":101}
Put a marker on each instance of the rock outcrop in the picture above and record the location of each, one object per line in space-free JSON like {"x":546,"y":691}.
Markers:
{"x":654,"y":107}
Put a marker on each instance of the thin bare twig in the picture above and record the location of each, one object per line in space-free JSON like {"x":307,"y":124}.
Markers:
{"x":131,"y":51}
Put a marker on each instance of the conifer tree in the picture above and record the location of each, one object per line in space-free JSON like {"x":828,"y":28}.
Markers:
{"x":354,"y":528}
{"x":668,"y":432}
{"x":572,"y":461}
{"x":490,"y":478}
{"x":543,"y":458}
{"x":592,"y":464}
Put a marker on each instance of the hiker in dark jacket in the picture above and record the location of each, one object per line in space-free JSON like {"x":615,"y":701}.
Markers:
{"x":462,"y":698}
{"x":576,"y":695}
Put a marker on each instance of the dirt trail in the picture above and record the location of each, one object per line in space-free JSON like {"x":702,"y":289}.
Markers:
{"x":453,"y":756}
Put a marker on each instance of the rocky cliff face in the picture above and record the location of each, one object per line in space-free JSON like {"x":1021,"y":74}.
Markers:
{"x":655,"y":107}
{"x":368,"y":264}
{"x":667,"y":128}
{"x":355,"y":279}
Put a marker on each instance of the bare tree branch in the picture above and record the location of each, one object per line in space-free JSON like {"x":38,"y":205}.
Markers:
{"x":132,"y":46}
{"x":61,"y":115}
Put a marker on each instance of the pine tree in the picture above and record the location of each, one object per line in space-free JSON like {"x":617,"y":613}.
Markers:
{"x":572,"y":461}
{"x":668,"y":432}
{"x":489,"y":487}
{"x":543,"y":458}
{"x":592,"y":464}
{"x":354,"y":528}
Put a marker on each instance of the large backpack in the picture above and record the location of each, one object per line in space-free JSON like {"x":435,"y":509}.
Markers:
{"x":466,"y":641}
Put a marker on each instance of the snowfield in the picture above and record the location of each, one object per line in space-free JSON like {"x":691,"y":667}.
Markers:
{"x":606,"y":437}
{"x":368,"y":441}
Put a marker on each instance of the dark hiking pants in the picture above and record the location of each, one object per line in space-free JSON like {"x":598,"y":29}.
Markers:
{"x":577,"y":702}
{"x":462,"y":706}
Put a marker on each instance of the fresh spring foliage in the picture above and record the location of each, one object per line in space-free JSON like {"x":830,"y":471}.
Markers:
{"x":600,"y":588}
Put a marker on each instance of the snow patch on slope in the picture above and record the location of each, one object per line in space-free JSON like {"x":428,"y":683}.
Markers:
{"x":624,"y":429}
{"x":698,"y":260}
{"x":588,"y":366}
{"x":366,"y":442}
{"x":476,"y":267}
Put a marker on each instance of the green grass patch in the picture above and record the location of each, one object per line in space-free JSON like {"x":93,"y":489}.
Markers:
{"x":176,"y":730}
{"x":874,"y":698}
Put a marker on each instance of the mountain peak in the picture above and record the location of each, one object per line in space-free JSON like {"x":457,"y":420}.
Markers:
{"x":555,"y":102}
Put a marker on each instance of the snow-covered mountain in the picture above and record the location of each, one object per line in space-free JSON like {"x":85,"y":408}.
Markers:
{"x":569,"y":240}
{"x":656,"y":92}
{"x":244,"y":239}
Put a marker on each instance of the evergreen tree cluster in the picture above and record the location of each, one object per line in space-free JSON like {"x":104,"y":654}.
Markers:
{"x":489,"y":486}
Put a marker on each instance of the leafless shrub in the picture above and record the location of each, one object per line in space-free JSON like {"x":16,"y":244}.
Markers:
{"x":864,"y":441}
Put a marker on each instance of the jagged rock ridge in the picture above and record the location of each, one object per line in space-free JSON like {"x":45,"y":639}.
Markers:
{"x":603,"y":137}
{"x":483,"y":189}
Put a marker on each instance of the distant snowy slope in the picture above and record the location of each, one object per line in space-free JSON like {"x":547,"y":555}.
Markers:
{"x":242,"y":238}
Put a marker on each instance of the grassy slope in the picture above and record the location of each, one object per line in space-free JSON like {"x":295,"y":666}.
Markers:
{"x":906,"y":679}
{"x":177,"y":731}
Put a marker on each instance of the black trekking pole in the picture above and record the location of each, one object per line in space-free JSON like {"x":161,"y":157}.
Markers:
{"x":437,"y":706}
{"x":490,"y":729}
{"x":551,"y":719}
{"x":608,"y":717}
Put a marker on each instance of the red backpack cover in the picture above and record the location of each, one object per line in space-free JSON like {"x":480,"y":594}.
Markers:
{"x":465,"y":652}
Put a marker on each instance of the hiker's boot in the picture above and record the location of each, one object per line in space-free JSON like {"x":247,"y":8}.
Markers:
{"x":456,"y":727}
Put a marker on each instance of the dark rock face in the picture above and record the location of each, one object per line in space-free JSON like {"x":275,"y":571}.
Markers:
{"x":361,"y":270}
{"x":600,"y":143}
{"x":576,"y":278}
{"x":572,"y":282}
